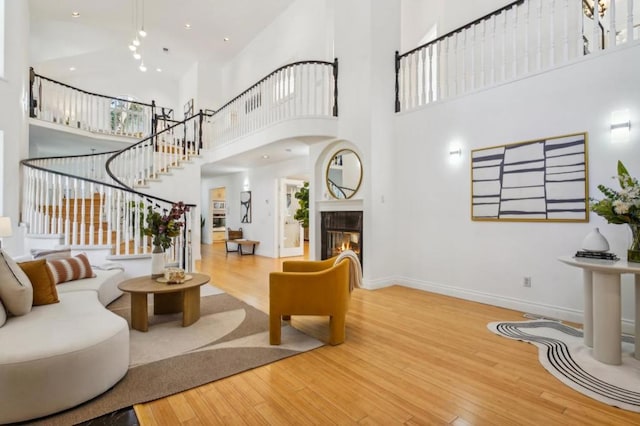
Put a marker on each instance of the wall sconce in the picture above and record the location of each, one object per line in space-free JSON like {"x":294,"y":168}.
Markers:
{"x":455,"y":154}
{"x":620,"y":126}
{"x":5,"y":228}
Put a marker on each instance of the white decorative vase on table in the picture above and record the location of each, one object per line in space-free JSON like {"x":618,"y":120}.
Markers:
{"x":595,"y":241}
{"x":157,"y":262}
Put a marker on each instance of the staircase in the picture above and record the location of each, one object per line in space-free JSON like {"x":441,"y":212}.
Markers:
{"x":99,"y":200}
{"x":96,"y":200}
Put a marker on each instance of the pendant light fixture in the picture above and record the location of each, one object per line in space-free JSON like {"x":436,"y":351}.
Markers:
{"x":142,"y":32}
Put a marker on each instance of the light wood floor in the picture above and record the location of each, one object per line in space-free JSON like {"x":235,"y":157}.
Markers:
{"x":410,"y":358}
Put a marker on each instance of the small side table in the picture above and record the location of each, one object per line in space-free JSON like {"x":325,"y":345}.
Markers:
{"x":602,"y":312}
{"x":167,"y":299}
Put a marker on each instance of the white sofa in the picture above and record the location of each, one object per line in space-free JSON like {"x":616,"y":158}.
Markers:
{"x":62,"y":354}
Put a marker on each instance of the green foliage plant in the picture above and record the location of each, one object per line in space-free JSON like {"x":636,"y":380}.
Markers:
{"x":302,"y":214}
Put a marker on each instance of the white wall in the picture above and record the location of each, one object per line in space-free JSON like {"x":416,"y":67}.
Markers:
{"x":299,"y":33}
{"x":445,"y":251}
{"x":188,"y":89}
{"x":209,"y":94}
{"x":13,"y":114}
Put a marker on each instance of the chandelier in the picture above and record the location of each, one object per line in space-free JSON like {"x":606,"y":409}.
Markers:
{"x":589,"y":5}
{"x":135,"y":46}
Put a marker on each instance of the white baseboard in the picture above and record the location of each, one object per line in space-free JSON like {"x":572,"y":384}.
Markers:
{"x":525,"y":306}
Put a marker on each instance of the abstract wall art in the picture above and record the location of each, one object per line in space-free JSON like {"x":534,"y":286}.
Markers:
{"x":245,"y":207}
{"x":539,"y":180}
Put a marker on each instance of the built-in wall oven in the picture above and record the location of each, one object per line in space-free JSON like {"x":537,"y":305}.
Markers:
{"x":218,"y":221}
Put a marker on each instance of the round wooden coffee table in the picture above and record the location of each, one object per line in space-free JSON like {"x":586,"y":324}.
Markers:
{"x":167,"y":299}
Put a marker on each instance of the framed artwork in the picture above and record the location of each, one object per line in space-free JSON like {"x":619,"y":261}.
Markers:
{"x":245,"y":207}
{"x":539,"y":180}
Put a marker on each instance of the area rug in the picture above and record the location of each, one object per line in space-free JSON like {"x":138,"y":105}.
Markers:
{"x":563,"y":354}
{"x":230,"y":337}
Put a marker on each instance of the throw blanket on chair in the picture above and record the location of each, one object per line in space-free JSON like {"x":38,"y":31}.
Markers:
{"x":355,"y":269}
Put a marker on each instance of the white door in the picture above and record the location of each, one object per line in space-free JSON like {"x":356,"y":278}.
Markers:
{"x":291,"y":232}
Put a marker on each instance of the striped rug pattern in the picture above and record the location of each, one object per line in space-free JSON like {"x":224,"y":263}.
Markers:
{"x":563,"y":354}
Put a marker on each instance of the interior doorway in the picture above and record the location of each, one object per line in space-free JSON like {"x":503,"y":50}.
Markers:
{"x":291,"y":235}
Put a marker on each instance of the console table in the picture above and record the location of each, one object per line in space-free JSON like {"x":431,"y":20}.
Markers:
{"x":602,"y":312}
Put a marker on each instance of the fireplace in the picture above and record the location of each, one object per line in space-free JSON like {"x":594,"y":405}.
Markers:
{"x":341,"y":231}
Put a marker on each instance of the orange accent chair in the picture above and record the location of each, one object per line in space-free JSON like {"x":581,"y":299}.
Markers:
{"x":310,"y":288}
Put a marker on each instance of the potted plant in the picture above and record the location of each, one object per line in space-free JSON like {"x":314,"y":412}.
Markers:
{"x":302,"y":214}
{"x":622,"y":207}
{"x":162,"y":228}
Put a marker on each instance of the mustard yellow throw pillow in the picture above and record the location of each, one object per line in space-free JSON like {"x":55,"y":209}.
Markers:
{"x":44,"y":288}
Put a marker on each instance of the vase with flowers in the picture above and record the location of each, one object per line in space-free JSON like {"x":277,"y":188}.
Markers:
{"x":162,"y":228}
{"x":622,"y":207}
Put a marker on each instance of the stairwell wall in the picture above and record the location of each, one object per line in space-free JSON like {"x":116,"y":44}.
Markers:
{"x":13,"y":115}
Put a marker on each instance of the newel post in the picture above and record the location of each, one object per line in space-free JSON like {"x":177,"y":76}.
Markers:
{"x":32,"y":102}
{"x":397,"y":81}
{"x":200,"y":121}
{"x":335,"y":87}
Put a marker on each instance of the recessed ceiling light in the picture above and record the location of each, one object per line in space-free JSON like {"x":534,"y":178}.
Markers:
{"x":226,"y":39}
{"x":159,"y":69}
{"x":187,"y":26}
{"x":265,"y":156}
{"x":72,"y":68}
{"x":75,"y":14}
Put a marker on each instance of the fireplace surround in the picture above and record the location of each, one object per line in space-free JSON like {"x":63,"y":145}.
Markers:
{"x":341,"y":230}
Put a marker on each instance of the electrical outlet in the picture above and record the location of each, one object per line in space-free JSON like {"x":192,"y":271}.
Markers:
{"x":526,"y":282}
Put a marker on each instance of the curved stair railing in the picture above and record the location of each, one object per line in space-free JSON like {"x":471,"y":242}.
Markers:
{"x":147,"y":160}
{"x":304,"y":89}
{"x":60,"y":103}
{"x":92,"y":211}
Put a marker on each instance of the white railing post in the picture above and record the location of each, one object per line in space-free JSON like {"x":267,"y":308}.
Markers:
{"x":612,"y":23}
{"x":552,"y":40}
{"x":630,"y":34}
{"x":596,"y":25}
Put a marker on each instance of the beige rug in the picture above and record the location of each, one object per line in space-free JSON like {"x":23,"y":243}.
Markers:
{"x":230,"y":337}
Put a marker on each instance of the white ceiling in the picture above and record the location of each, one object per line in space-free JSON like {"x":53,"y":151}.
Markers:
{"x":97,"y":41}
{"x":99,"y":37}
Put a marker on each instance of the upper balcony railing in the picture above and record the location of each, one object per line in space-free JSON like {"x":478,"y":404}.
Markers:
{"x":297,"y":90}
{"x":60,"y":103}
{"x":524,"y":37}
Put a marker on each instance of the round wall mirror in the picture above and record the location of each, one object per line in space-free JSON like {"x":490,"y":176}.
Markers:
{"x":344,"y":174}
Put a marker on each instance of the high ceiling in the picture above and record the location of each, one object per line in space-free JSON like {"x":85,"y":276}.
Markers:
{"x":99,"y":37}
{"x":97,"y":42}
